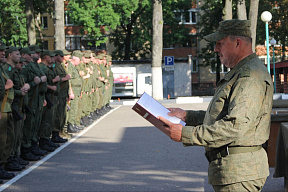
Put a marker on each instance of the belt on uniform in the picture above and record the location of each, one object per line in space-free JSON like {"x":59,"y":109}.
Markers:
{"x":224,"y":151}
{"x":76,"y":85}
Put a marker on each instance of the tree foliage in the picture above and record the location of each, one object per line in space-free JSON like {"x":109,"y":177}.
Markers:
{"x":279,"y":24}
{"x":96,"y":17}
{"x":13,"y":21}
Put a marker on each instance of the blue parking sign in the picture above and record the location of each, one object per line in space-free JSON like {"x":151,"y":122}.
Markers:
{"x":169,"y":60}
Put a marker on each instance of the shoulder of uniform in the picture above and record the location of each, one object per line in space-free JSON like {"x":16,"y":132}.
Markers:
{"x":245,"y":72}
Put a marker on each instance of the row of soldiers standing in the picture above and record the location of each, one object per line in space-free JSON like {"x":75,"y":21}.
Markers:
{"x":44,"y":97}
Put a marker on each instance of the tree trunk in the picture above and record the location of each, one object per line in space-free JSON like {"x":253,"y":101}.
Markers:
{"x":59,"y":25}
{"x":227,"y":11}
{"x":241,"y":10}
{"x":30,"y":22}
{"x":157,"y":84}
{"x":253,"y":15}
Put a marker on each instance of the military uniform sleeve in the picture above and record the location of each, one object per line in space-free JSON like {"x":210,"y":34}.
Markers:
{"x":244,"y":103}
{"x":194,"y":118}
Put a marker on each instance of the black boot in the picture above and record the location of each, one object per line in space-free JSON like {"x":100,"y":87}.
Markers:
{"x":52,"y":144}
{"x":44,"y":145}
{"x":94,"y":117}
{"x":20,"y":161}
{"x":56,"y":138}
{"x":27,"y":155}
{"x":96,"y":114}
{"x":78,"y":127}
{"x":72,"y":129}
{"x":35,"y":150}
{"x":12,"y":165}
{"x":4,"y":174}
{"x":87,"y":121}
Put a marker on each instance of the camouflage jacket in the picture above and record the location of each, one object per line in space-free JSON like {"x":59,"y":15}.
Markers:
{"x":238,"y":115}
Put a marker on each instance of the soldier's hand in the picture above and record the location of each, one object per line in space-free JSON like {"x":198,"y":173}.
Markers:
{"x":44,"y":103}
{"x":37,"y":80}
{"x":25,"y":88}
{"x":9,"y":84}
{"x":54,"y":88}
{"x":81,"y":73}
{"x":106,"y":87}
{"x":57,"y":79}
{"x":71,"y":96}
{"x":177,"y":112}
{"x":174,"y":130}
{"x":68,"y":76}
{"x":43,"y":79}
{"x":106,"y":80}
{"x":91,"y":72}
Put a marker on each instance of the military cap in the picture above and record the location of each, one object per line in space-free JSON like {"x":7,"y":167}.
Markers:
{"x":87,"y":55}
{"x":3,"y":47}
{"x":11,"y":49}
{"x":109,"y":58}
{"x":93,"y":54}
{"x":230,"y":27}
{"x":26,"y":50}
{"x":65,"y":52}
{"x":59,"y":52}
{"x":35,"y":48}
{"x":77,"y":53}
{"x":88,"y":51}
{"x":101,"y":56}
{"x":47,"y":52}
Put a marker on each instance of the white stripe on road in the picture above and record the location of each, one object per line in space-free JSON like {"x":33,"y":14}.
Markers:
{"x":38,"y":163}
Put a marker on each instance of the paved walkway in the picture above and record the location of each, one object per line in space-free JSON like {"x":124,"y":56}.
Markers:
{"x":122,"y":152}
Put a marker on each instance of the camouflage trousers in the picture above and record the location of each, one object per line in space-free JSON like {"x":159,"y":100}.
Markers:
{"x":6,"y":136}
{"x":253,"y":185}
{"x":18,"y":136}
{"x":47,"y":123}
{"x":61,"y":112}
{"x":72,"y":114}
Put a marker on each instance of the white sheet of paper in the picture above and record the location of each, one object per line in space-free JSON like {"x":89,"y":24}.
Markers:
{"x":157,"y":109}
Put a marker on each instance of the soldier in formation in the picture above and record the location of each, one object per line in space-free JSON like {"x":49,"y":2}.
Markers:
{"x":45,"y":97}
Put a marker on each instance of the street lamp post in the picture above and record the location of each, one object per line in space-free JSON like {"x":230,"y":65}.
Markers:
{"x":266,"y":16}
{"x":273,"y":43}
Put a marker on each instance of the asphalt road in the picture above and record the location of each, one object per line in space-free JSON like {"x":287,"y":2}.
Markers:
{"x":122,"y":152}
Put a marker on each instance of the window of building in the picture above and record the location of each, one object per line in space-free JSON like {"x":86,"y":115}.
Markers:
{"x":45,"y":45}
{"x":194,"y":64}
{"x":187,"y":17}
{"x":73,"y":43}
{"x":223,"y":68}
{"x":68,"y":19}
{"x":44,"y":22}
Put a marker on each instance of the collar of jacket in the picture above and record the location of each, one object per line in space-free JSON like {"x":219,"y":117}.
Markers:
{"x":231,"y":73}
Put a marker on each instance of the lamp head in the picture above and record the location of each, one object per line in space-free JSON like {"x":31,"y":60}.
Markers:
{"x":266,"y":16}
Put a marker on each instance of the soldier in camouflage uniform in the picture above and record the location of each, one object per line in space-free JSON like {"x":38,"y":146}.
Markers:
{"x":75,"y":93}
{"x":37,"y":80}
{"x":61,"y":110}
{"x":237,"y":121}
{"x":110,"y":82}
{"x":48,"y":114}
{"x":20,"y":90}
{"x":6,"y":125}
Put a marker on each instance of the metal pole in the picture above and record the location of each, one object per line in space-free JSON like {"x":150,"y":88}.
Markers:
{"x":274,"y":70}
{"x":267,"y":45}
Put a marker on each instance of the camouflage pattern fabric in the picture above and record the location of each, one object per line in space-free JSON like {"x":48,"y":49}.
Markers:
{"x":238,"y":115}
